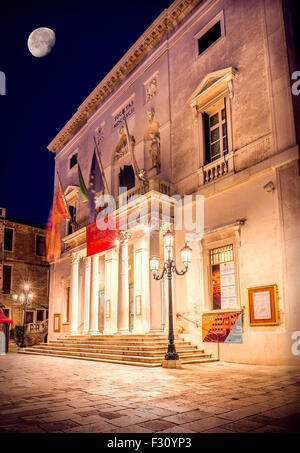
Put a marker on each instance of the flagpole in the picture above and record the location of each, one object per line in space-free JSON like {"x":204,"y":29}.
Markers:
{"x":100,"y":165}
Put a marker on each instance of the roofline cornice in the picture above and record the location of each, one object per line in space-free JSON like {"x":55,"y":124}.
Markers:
{"x":166,"y":22}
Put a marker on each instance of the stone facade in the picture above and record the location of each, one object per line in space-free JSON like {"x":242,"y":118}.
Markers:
{"x":27,"y":267}
{"x":251,"y":190}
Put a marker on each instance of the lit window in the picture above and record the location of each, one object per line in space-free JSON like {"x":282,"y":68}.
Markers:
{"x":215,"y":128}
{"x":223,"y":287}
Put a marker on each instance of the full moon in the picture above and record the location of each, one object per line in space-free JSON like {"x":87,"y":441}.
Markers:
{"x":41,"y":41}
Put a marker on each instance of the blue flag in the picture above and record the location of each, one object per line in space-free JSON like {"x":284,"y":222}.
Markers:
{"x":95,"y":185}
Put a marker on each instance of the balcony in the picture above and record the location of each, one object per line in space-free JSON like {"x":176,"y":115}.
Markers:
{"x":216,"y":170}
{"x":152,"y":184}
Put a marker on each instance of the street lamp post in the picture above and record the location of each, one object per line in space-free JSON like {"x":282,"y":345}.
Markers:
{"x":25,"y":298}
{"x":171,"y":357}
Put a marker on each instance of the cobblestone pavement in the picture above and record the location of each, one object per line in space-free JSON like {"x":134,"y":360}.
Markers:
{"x":47,"y":394}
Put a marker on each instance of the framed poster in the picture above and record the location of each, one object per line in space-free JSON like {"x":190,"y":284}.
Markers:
{"x":107,"y":308}
{"x":222,"y":327}
{"x":56,"y":322}
{"x":263,"y":310}
{"x":138,"y":305}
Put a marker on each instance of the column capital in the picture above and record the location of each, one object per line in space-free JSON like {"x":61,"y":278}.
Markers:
{"x":124,"y":236}
{"x":75,"y":258}
{"x":165,"y":226}
{"x":87,"y":261}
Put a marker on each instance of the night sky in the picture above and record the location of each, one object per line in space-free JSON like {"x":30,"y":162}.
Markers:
{"x":43,"y":93}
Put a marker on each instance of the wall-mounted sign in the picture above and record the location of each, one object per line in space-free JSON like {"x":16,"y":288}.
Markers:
{"x":263,"y":309}
{"x":222,"y":327}
{"x":56,"y":322}
{"x":107,"y":308}
{"x":138,"y":305}
{"x":128,"y":109}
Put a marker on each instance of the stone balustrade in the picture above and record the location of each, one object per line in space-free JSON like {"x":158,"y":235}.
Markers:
{"x":217,"y":169}
{"x":39,"y":326}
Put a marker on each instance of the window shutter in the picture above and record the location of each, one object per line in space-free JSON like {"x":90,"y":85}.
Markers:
{"x":206,"y":138}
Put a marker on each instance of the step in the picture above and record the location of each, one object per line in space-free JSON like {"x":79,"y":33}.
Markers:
{"x":121,"y":362}
{"x":118,"y":346}
{"x":119,"y":340}
{"x":133,"y":351}
{"x":138,"y":358}
{"x":105,"y":338}
{"x":93,"y":359}
{"x":122,"y":337}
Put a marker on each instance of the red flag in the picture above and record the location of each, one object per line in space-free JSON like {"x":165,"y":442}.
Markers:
{"x":58,"y":212}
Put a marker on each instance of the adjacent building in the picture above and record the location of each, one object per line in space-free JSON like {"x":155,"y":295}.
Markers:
{"x":206,"y":91}
{"x":22,"y":261}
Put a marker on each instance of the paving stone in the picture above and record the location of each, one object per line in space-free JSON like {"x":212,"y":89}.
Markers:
{"x":218,"y":430}
{"x":157,"y":425}
{"x":186,"y":417}
{"x":132,"y":429}
{"x":177,"y":430}
{"x":270,"y":429}
{"x":243,"y":426}
{"x":60,"y":426}
{"x":99,"y":427}
{"x":22,"y":428}
{"x":158,"y":411}
{"x":206,"y":423}
{"x":125,"y":420}
{"x":73,"y":396}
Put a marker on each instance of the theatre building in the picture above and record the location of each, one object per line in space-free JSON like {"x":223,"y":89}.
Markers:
{"x":206,"y":93}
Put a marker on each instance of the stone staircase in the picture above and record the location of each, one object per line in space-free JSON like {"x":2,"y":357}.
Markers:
{"x":139,"y":350}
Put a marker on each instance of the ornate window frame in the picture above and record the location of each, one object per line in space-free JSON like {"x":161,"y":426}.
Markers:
{"x":220,"y":237}
{"x":208,"y":26}
{"x":214,"y":87}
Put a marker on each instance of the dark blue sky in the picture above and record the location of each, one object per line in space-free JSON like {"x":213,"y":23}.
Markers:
{"x":43,"y":93}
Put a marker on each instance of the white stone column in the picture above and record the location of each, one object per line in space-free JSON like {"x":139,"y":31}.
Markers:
{"x":123,"y":306}
{"x":74,"y":293}
{"x":87,"y":292}
{"x":94,"y":303}
{"x":155,"y":288}
{"x":111,"y":291}
{"x":141,"y":284}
